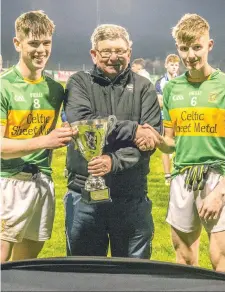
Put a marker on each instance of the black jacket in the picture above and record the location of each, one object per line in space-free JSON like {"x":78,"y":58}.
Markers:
{"x":133,"y":100}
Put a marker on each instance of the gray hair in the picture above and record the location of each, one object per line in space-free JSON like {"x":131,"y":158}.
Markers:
{"x":109,"y":32}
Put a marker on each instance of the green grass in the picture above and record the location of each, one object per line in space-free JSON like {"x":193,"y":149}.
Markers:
{"x":158,"y":192}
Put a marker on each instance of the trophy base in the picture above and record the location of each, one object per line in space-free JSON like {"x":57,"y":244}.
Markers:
{"x":96,"y":196}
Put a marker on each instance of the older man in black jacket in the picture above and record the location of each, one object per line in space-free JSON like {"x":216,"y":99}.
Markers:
{"x":111,"y":88}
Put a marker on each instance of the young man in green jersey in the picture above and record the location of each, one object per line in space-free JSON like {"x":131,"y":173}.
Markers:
{"x":30,"y":104}
{"x":194,"y":114}
{"x":194,"y":120}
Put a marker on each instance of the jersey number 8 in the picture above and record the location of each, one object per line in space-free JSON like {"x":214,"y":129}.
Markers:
{"x":36,"y":103}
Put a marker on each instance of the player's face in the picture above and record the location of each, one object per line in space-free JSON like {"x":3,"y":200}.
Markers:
{"x":111,"y":56}
{"x":194,"y":55}
{"x":172,"y":68}
{"x":34,"y":51}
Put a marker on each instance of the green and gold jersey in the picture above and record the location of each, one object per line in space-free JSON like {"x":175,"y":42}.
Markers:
{"x":196,"y":112}
{"x":28,"y":109}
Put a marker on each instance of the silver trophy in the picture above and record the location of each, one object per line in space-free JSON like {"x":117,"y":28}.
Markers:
{"x":90,"y":142}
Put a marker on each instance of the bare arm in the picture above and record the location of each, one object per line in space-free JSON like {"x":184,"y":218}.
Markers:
{"x":160,"y":99}
{"x":221,"y":186}
{"x":168,"y":143}
{"x":12,"y":148}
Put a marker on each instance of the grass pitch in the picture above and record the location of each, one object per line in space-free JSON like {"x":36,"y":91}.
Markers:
{"x":158,"y":192}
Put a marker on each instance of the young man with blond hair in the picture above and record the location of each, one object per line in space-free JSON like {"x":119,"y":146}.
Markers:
{"x":111,"y":88}
{"x":194,"y":120}
{"x":30,"y":104}
{"x":172,"y":64}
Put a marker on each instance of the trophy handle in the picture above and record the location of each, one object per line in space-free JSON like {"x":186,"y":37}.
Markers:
{"x":74,"y":139}
{"x":112,"y":120}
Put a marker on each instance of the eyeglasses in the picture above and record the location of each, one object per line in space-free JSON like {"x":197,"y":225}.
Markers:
{"x":108,"y":53}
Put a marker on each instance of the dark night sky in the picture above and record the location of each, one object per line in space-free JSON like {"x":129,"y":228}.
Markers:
{"x":149,"y":23}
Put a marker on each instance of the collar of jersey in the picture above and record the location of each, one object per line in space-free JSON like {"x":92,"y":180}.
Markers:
{"x":209,"y":77}
{"x":26,"y":79}
{"x":33,"y":81}
{"x":166,"y":77}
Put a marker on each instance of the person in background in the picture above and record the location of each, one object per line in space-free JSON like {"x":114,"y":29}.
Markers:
{"x":112,"y":88}
{"x":138,"y":66}
{"x":30,"y":104}
{"x":172,"y":64}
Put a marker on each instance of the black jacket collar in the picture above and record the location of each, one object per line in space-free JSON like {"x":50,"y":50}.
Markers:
{"x":101,"y":78}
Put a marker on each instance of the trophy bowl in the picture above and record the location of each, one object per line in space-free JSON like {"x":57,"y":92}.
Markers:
{"x":90,"y":142}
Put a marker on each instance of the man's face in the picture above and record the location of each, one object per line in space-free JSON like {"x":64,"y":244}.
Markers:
{"x":34,"y":51}
{"x":172,"y":68}
{"x":194,"y":55}
{"x":111,"y":56}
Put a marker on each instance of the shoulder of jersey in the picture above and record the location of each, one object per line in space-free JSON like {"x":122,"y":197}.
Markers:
{"x":161,"y":78}
{"x":8,"y":77}
{"x":221,"y":76}
{"x":7,"y":73}
{"x":179,"y":79}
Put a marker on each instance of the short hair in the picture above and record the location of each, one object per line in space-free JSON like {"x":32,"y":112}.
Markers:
{"x":139,"y":61}
{"x":109,"y":32}
{"x":172,"y":58}
{"x":190,"y":27}
{"x":35,"y":22}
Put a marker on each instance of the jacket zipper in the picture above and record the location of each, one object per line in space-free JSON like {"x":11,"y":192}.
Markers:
{"x":112,"y":100}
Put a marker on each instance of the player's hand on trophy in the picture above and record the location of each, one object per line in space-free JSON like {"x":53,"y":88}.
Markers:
{"x":211,"y":206}
{"x":65,"y":124}
{"x":147,"y":138}
{"x":59,"y":137}
{"x":100,"y":165}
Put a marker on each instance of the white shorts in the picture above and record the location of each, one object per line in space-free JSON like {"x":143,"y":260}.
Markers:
{"x":183,"y":206}
{"x":27,"y":207}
